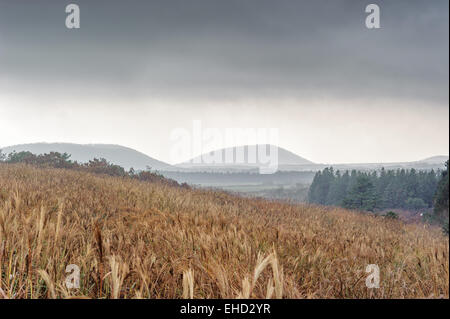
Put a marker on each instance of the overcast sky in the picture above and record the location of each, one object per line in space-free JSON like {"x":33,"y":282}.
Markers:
{"x":136,"y":70}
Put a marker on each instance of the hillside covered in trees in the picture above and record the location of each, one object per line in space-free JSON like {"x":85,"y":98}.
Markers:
{"x":387,"y":189}
{"x":370,"y":191}
{"x":441,"y":204}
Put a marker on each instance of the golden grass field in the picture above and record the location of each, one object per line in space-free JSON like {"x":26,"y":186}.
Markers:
{"x":135,"y":239}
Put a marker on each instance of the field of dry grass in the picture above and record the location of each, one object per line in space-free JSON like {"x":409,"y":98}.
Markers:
{"x":135,"y":239}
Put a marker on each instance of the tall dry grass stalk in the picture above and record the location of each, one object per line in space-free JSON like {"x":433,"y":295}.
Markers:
{"x":133,"y":239}
{"x":118,"y":273}
{"x":188,"y":284}
{"x":58,"y":223}
{"x":50,"y":285}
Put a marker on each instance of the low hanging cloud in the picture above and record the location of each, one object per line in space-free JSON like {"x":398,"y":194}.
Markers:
{"x":227,"y":49}
{"x":135,"y":70}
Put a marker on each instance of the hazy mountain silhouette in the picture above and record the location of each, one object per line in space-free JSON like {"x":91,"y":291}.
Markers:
{"x":285,"y":158}
{"x":128,"y":157}
{"x":435,"y":159}
{"x":119,"y":155}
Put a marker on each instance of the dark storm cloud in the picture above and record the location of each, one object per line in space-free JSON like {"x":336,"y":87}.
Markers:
{"x":215,"y":48}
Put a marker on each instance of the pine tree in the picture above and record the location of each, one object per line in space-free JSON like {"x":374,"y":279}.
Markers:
{"x":363,"y":195}
{"x":320,"y":186}
{"x":441,"y":206}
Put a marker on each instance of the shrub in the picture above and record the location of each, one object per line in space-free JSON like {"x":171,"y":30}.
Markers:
{"x":391,"y":215}
{"x":445,"y":228}
{"x":415,"y":203}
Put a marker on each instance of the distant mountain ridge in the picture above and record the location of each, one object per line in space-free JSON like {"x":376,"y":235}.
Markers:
{"x":435,"y":159}
{"x":285,"y":157}
{"x":128,"y":157}
{"x":119,"y":155}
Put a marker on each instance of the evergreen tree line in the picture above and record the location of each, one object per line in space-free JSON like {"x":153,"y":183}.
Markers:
{"x":441,"y":201}
{"x":376,"y":190}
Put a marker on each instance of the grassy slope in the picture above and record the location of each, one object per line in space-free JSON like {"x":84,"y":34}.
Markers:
{"x":135,"y":239}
